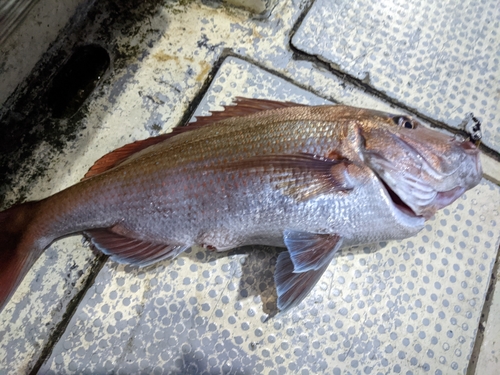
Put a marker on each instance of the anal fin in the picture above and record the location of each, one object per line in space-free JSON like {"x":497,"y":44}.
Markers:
{"x":128,"y":250}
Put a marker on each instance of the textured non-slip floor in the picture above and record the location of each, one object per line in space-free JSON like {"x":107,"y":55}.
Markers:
{"x":402,"y":307}
{"x":441,"y":58}
{"x":412,"y":305}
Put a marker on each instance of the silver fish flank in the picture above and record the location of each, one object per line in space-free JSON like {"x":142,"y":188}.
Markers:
{"x":311,"y":179}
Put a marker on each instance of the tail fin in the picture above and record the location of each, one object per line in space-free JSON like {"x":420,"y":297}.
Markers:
{"x":18,"y":251}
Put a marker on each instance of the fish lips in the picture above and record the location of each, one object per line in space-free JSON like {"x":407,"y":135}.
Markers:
{"x":410,"y":195}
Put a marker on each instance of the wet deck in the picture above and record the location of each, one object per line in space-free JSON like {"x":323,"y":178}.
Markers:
{"x":427,"y":304}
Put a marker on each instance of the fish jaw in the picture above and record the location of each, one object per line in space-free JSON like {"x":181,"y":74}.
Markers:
{"x":424,"y":175}
{"x":403,"y":213}
{"x":446,"y":161}
{"x":412,"y":197}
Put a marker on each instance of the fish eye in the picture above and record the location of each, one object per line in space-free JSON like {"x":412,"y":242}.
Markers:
{"x":404,"y":122}
{"x":408,"y":125}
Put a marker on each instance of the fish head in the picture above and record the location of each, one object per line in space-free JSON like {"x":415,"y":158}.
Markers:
{"x":423,"y":170}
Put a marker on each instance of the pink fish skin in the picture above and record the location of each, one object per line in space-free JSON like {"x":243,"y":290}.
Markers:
{"x":311,"y":179}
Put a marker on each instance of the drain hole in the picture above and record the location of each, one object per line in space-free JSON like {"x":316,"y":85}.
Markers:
{"x":76,"y":80}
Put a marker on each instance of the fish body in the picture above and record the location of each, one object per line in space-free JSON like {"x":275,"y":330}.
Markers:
{"x":311,"y":179}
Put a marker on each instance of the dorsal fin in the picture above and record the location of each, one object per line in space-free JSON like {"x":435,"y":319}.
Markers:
{"x":119,"y":155}
{"x":243,"y":107}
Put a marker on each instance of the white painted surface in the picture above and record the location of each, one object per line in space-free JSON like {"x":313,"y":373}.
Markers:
{"x":489,"y":355}
{"x":151,"y":95}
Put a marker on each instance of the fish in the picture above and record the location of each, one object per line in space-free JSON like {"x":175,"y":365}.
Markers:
{"x":312,"y":179}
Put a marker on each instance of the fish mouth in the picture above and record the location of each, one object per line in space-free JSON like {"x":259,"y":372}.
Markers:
{"x":408,"y":194}
{"x":389,"y":178}
{"x":441,"y":199}
{"x":412,"y":195}
{"x":397,"y":202}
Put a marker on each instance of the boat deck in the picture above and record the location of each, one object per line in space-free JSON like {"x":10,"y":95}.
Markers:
{"x":425,"y":305}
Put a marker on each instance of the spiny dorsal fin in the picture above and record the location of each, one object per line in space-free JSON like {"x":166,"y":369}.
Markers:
{"x":119,"y":155}
{"x":243,"y":107}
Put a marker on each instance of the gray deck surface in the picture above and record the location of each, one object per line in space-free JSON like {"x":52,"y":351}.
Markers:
{"x":403,"y":307}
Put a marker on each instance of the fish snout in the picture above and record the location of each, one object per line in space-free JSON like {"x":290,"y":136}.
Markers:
{"x":470,"y":162}
{"x":472,"y":151}
{"x":468,"y":147}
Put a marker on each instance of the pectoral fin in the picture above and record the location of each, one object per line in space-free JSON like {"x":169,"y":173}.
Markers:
{"x":126,"y":249}
{"x":302,"y":176}
{"x":299,"y":269}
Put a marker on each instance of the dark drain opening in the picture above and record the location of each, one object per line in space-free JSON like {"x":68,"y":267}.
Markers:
{"x":76,"y":80}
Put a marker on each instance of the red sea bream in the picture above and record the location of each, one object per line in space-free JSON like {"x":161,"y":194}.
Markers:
{"x":311,"y":179}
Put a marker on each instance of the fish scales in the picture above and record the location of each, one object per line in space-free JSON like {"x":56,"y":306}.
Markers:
{"x":240,"y":138}
{"x":311,"y":179}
